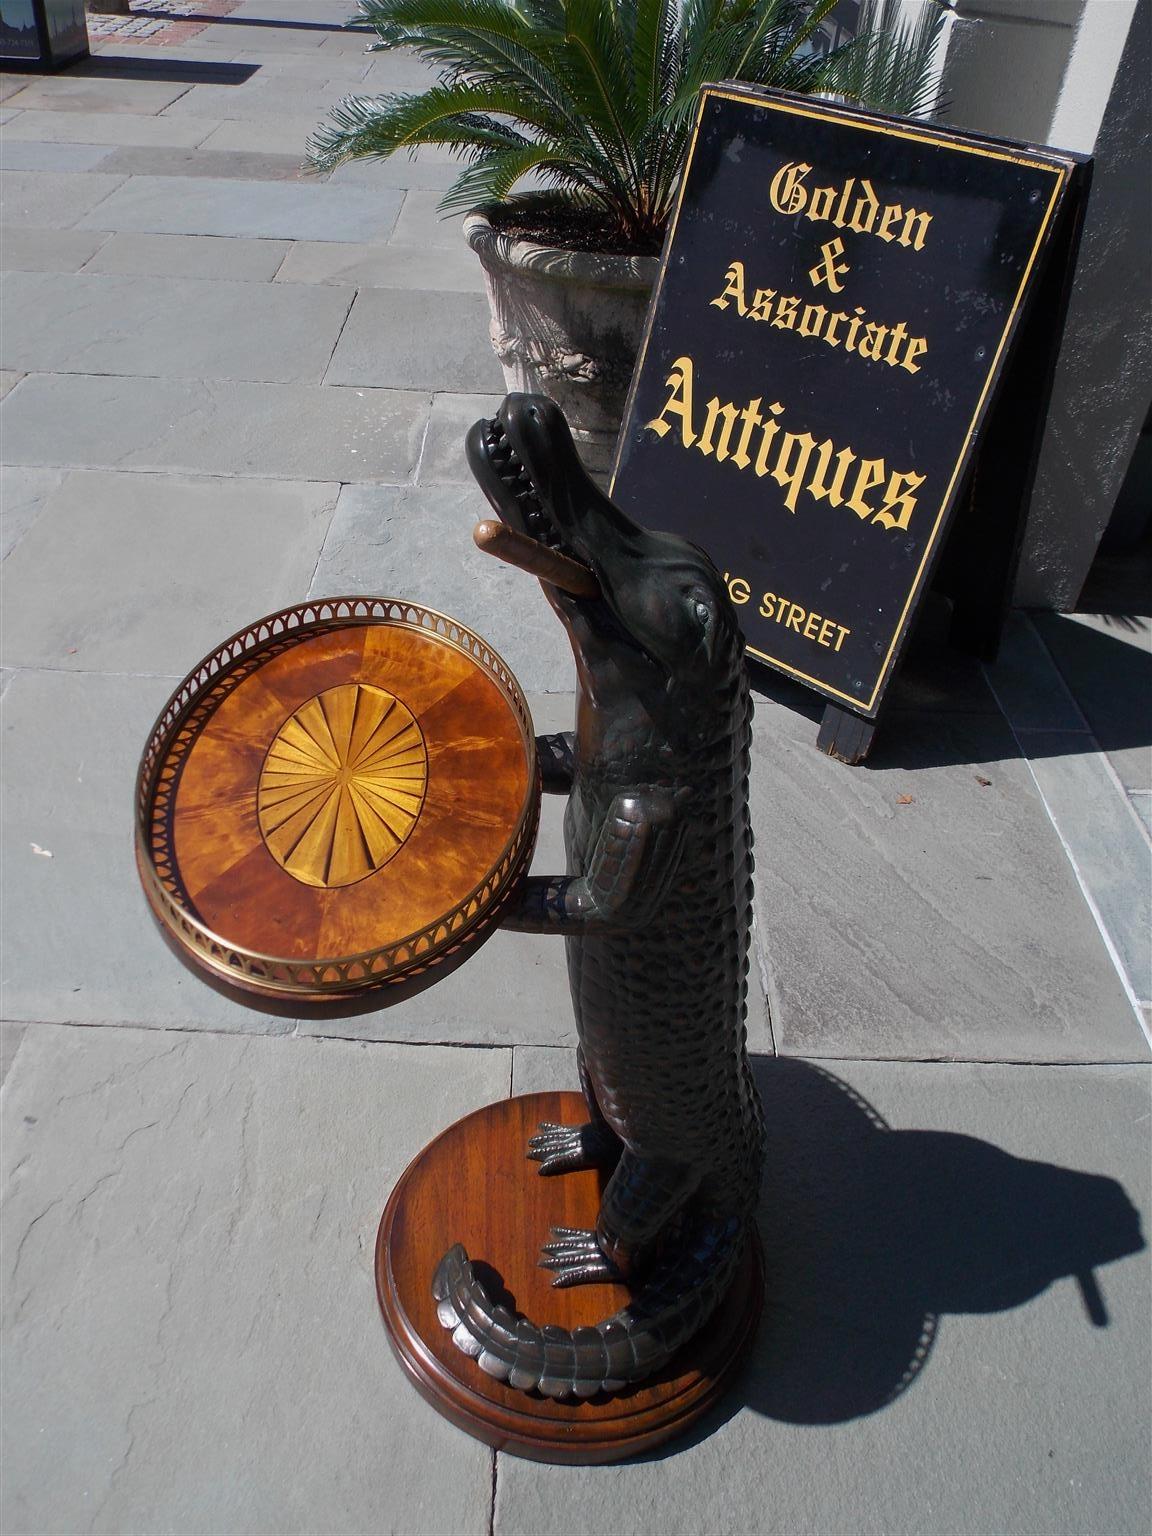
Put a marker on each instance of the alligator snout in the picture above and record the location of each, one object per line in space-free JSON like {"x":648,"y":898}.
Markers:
{"x":526,"y":535}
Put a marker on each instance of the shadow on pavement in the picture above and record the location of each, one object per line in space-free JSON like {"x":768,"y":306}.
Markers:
{"x":941,"y":715}
{"x":114,"y":66}
{"x":252,"y":21}
{"x":1109,"y":676}
{"x":871,"y":1234}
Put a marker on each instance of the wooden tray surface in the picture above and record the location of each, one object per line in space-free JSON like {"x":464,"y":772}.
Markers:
{"x":358,"y":780}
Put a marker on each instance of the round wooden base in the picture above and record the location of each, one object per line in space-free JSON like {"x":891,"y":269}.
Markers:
{"x":474,"y":1185}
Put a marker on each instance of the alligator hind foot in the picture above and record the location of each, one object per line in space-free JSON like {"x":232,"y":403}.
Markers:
{"x":577,"y":1258}
{"x":566,"y":1148}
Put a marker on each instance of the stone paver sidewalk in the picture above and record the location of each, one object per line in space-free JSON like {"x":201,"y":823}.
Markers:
{"x":229,"y":384}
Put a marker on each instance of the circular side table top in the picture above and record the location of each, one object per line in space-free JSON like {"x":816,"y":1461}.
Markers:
{"x":337,"y":801}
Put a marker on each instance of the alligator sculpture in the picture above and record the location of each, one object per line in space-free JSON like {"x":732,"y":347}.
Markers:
{"x":656,"y":909}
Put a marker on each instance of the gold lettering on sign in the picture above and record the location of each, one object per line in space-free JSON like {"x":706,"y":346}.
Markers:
{"x":679,"y":402}
{"x":799,"y":465}
{"x":854,"y":331}
{"x":806,"y":622}
{"x":851,"y":205}
{"x":829,"y":269}
{"x":786,"y":192}
{"x":812,"y":626}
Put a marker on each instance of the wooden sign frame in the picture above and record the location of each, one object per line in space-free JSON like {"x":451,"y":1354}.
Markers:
{"x":987,"y":471}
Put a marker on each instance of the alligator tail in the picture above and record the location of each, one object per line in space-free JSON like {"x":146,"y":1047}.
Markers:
{"x":679,"y":1296}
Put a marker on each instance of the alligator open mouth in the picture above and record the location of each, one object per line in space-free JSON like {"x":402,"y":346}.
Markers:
{"x":526,"y":536}
{"x":518,"y":483}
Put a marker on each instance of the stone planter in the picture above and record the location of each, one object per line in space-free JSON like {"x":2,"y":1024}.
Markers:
{"x":566,"y":324}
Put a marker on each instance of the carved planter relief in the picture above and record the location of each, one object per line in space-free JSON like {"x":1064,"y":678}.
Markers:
{"x":566,"y":324}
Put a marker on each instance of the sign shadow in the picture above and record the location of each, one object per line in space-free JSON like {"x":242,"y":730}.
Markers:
{"x":943,"y":713}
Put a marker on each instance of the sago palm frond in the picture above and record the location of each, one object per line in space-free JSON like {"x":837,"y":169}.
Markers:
{"x":892,"y":66}
{"x":376,"y":126}
{"x":594,"y":98}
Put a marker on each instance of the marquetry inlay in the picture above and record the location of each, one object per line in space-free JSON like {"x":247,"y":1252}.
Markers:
{"x":342,"y":785}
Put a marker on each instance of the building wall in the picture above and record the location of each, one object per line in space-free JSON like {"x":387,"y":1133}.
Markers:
{"x":1006,"y":65}
{"x":1088,"y":80}
{"x":1074,"y":74}
{"x":1104,"y":381}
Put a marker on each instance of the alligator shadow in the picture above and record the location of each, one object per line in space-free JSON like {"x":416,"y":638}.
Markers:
{"x":870,"y":1234}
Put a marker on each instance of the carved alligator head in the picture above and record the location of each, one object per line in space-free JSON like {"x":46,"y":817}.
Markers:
{"x":659,"y":628}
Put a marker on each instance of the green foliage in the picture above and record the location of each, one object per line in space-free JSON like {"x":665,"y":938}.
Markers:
{"x":892,"y":66}
{"x":595,"y":97}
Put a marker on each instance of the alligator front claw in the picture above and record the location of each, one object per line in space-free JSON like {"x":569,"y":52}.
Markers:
{"x":566,"y":1148}
{"x":576,"y":1258}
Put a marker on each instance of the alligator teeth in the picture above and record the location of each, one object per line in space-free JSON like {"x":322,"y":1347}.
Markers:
{"x":515,"y":478}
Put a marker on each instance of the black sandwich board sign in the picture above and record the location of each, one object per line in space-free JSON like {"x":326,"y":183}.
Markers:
{"x":826,"y":371}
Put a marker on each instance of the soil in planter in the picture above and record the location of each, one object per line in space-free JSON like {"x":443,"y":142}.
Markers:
{"x":569,"y":229}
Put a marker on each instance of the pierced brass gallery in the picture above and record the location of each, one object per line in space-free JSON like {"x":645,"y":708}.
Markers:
{"x":752,"y":437}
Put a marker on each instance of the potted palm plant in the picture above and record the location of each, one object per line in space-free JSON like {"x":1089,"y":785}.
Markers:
{"x":573,"y":118}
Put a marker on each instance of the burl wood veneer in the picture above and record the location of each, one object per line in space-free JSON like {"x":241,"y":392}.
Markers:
{"x":337,"y":802}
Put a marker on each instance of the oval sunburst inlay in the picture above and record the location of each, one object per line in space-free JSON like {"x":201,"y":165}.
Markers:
{"x":342,"y":785}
